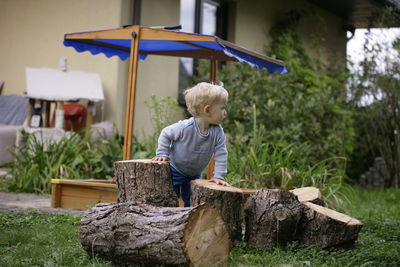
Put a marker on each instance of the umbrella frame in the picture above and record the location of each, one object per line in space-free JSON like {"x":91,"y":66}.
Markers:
{"x":137,"y":33}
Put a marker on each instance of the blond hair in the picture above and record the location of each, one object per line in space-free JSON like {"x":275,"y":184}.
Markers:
{"x":204,"y":94}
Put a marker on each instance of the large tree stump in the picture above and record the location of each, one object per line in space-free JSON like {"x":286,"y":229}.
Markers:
{"x":271,"y":217}
{"x":327,"y":228}
{"x":128,"y":234}
{"x":226,"y":199}
{"x":309,"y":194}
{"x":145,"y":182}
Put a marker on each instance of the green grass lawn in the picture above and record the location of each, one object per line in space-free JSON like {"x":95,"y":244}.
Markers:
{"x":33,"y":239}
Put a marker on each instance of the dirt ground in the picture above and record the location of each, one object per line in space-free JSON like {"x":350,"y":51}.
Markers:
{"x":32,"y":202}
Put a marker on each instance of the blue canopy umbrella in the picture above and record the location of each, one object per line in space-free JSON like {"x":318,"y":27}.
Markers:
{"x":136,"y":43}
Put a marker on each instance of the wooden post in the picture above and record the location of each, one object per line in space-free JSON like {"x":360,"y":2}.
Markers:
{"x":213,"y":79}
{"x":89,"y":116}
{"x":59,"y":121}
{"x":55,"y":195}
{"x":130,"y":100}
{"x":27,"y":122}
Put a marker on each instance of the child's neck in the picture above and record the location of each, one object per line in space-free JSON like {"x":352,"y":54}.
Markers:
{"x":203,"y":125}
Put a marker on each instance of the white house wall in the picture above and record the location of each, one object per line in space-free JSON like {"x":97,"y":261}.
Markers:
{"x":254,"y":19}
{"x":158,"y":75}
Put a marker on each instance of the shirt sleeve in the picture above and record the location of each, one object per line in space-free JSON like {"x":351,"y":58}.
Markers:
{"x":220,"y":156}
{"x":166,"y":138}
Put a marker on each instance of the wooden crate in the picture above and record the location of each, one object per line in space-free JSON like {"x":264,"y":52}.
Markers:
{"x":81,"y":194}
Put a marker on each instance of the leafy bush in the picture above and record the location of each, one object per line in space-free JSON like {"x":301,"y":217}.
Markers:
{"x":73,"y":157}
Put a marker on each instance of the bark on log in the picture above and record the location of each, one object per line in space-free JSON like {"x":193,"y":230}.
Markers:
{"x":226,"y":199}
{"x":327,"y":228}
{"x":145,"y":182}
{"x":247,"y":192}
{"x":130,"y":234}
{"x":309,"y":194}
{"x":272,"y":216}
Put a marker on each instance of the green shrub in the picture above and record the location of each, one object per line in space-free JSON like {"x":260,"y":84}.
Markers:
{"x":74,"y":157}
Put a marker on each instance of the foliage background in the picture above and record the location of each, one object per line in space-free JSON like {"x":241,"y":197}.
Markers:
{"x":377,"y":121}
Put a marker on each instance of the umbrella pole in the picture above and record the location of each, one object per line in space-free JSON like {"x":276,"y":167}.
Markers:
{"x":213,"y":79}
{"x":130,"y":102}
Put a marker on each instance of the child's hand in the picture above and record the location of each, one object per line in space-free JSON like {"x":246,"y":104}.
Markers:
{"x":219,"y":181}
{"x":160,"y":159}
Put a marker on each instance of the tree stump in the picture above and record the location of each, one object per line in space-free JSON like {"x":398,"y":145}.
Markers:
{"x":145,"y":182}
{"x":247,"y":192}
{"x":226,"y":199}
{"x":272,"y":216}
{"x":327,"y":228}
{"x":129,"y":234}
{"x":309,"y":194}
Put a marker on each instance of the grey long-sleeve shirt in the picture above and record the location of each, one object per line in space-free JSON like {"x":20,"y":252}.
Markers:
{"x":190,"y":151}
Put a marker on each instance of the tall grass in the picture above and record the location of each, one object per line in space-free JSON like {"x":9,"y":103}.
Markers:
{"x":73,"y":157}
{"x":256,"y":163}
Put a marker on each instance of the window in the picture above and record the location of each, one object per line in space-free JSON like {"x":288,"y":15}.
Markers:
{"x":196,"y":16}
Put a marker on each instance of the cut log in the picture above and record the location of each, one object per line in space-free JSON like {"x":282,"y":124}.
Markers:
{"x":145,"y":182}
{"x":272,"y":216}
{"x":248,"y":192}
{"x":129,"y":234}
{"x":327,"y":228}
{"x":309,"y":194}
{"x":226,"y":199}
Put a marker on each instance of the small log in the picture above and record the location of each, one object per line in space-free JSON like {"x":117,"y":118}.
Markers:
{"x":226,"y":199}
{"x":145,"y":182}
{"x":327,"y":228}
{"x":272,"y":216}
{"x":309,"y":194}
{"x":129,"y":234}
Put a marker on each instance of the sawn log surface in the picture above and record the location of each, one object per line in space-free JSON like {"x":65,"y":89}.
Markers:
{"x":226,"y":199}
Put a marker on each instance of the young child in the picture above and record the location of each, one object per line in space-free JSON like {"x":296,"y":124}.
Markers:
{"x":189,"y":144}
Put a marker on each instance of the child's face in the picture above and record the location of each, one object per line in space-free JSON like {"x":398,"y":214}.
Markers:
{"x":217,"y":112}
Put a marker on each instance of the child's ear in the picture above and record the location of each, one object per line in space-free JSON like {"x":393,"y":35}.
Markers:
{"x":206,"y":108}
